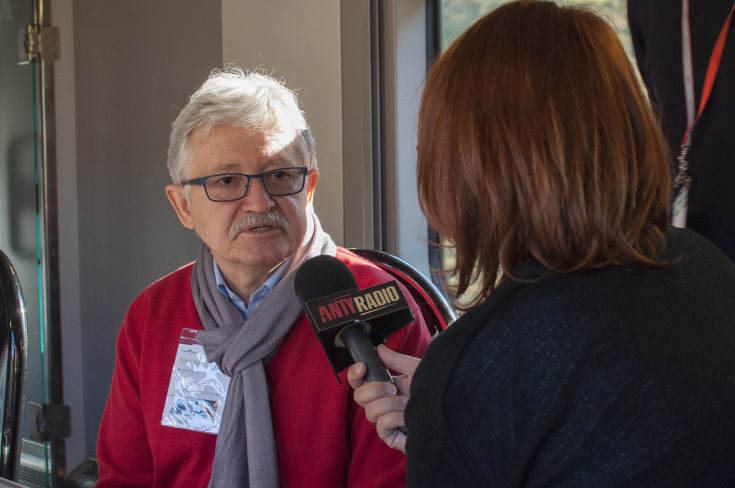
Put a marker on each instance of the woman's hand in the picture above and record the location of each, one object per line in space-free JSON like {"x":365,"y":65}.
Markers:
{"x":384,"y":403}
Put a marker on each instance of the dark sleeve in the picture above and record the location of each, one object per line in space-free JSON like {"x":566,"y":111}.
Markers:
{"x":636,"y":33}
{"x":655,"y":31}
{"x":640,"y":31}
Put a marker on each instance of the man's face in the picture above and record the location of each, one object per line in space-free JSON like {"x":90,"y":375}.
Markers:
{"x":257,"y":248}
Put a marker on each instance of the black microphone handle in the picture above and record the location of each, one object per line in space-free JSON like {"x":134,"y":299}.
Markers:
{"x":362,"y":351}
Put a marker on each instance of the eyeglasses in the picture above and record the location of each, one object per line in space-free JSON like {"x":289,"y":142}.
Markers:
{"x":228,"y":187}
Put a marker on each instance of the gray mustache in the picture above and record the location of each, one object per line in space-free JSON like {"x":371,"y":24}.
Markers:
{"x":273,"y":218}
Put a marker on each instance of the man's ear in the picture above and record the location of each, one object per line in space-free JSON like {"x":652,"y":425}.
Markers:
{"x":178,"y":200}
{"x":311,"y":180}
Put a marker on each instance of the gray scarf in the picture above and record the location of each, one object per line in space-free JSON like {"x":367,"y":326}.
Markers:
{"x":245,"y":453}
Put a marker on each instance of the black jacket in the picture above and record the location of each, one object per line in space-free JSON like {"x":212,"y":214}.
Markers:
{"x":655,"y":27}
{"x":608,"y":378}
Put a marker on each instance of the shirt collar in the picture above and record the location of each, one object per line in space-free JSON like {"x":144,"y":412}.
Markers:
{"x":257,"y":297}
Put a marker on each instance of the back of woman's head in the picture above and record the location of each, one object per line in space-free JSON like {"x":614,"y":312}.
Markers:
{"x":536,"y":141}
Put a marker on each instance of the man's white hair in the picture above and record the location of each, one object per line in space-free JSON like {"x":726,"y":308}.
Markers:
{"x":233,"y":97}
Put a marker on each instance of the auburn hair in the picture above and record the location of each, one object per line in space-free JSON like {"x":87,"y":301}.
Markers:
{"x":535,"y":140}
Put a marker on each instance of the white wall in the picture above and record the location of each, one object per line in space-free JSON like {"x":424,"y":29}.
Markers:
{"x":299,"y":41}
{"x":126,"y":69}
{"x":302,"y":42}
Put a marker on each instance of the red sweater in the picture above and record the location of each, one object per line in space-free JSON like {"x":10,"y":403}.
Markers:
{"x":322,"y":436}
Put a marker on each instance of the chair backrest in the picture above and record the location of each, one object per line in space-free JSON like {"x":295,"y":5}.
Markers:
{"x":435,"y":307}
{"x":13,"y":344}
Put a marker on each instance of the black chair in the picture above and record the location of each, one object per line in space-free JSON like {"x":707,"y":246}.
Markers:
{"x":13,"y":344}
{"x":435,"y":308}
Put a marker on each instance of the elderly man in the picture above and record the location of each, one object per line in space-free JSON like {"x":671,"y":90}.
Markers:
{"x":243,"y":165}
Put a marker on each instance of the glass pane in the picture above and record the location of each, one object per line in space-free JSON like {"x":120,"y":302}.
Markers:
{"x":21,"y":219}
{"x":458,"y":15}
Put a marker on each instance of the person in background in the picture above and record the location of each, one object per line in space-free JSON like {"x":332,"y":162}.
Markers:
{"x":686,"y":57}
{"x":244,"y":171}
{"x":599,"y":348}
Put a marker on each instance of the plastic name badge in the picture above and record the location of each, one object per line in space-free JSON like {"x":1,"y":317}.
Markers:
{"x":197,"y":390}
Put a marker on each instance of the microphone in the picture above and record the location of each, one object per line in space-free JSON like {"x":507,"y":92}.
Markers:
{"x":349,"y":322}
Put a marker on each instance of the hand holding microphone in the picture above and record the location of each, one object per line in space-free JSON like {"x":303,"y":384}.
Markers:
{"x":385,"y":403}
{"x":348,"y":322}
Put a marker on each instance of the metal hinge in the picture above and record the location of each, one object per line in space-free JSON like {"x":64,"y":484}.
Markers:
{"x":36,"y":43}
{"x":50,"y":422}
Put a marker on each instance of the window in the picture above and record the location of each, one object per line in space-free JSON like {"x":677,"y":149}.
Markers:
{"x":458,"y":15}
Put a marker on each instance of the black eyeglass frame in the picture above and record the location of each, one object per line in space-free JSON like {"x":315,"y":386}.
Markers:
{"x":203,"y":180}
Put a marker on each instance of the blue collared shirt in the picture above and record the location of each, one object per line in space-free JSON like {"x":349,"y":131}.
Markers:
{"x":258,"y":296}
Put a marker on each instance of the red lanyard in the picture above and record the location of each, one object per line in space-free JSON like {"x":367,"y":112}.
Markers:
{"x":714,"y":65}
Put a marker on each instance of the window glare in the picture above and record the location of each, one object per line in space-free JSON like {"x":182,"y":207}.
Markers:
{"x":458,"y":15}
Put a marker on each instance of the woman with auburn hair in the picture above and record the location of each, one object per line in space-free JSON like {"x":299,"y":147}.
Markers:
{"x":598,"y":350}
